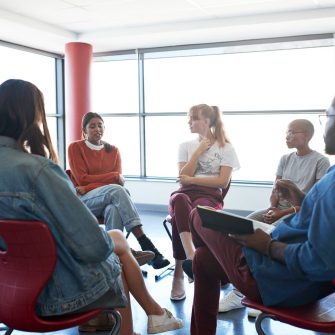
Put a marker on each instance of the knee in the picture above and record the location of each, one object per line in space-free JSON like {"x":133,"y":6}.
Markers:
{"x":194,"y":219}
{"x":179,"y":198}
{"x":119,"y":240}
{"x":200,"y":259}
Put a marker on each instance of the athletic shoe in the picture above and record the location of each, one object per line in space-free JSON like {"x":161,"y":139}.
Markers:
{"x":159,"y":261}
{"x":230,"y":301}
{"x":103,"y":322}
{"x":163,"y":323}
{"x":253,"y":313}
{"x":143,"y":257}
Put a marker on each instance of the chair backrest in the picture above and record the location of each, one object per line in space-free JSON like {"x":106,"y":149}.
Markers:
{"x":26,"y":263}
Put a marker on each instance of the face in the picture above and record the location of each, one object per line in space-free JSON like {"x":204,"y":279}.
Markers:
{"x":94,"y":131}
{"x":329,"y":134}
{"x":296,"y":136}
{"x":198,"y":125}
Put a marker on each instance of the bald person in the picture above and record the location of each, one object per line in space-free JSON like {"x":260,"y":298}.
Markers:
{"x":304,"y":167}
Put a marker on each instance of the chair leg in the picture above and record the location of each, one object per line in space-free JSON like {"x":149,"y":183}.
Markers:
{"x":8,"y":330}
{"x":259,"y":320}
{"x":164,"y":273}
{"x":165,"y":222}
{"x":118,"y":320}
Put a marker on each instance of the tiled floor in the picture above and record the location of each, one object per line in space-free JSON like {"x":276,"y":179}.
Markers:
{"x":231,"y":323}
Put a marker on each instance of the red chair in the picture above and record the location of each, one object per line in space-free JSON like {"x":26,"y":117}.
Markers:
{"x":318,"y":316}
{"x":26,"y":263}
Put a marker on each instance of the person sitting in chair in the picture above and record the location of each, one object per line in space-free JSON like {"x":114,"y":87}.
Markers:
{"x":94,"y":268}
{"x":205,"y":170}
{"x":293,"y":266}
{"x":96,"y":173}
{"x":304,"y":167}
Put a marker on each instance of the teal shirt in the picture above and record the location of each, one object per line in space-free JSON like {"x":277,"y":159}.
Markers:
{"x":310,"y":254}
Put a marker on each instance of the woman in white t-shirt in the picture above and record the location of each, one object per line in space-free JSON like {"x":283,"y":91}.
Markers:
{"x":205,"y":170}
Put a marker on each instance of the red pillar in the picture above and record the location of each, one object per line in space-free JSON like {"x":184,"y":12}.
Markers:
{"x":78,"y":59}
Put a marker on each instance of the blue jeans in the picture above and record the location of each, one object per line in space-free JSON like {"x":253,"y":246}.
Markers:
{"x":115,"y":205}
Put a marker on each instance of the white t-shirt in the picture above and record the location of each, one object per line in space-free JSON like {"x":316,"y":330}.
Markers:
{"x":210,"y":162}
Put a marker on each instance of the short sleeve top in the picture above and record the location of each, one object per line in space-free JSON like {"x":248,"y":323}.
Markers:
{"x":211,"y":160}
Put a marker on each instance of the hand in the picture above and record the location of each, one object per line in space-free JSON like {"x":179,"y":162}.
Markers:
{"x":185,"y":180}
{"x":121,"y":180}
{"x":204,"y":145}
{"x":273,"y":215}
{"x":258,"y":240}
{"x":289,"y":191}
{"x":80,"y":190}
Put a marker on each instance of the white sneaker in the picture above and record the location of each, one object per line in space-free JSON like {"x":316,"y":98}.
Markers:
{"x":163,"y":323}
{"x":253,"y":313}
{"x":230,"y":301}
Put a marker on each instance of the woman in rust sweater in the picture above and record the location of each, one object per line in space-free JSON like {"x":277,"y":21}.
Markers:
{"x":96,"y":173}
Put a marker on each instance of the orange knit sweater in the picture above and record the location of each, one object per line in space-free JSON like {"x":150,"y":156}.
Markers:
{"x":93,"y":168}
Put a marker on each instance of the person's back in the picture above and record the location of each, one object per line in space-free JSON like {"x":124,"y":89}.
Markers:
{"x":87,"y":275}
{"x":25,"y":182}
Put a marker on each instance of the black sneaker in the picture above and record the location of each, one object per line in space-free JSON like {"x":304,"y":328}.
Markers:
{"x":159,"y":261}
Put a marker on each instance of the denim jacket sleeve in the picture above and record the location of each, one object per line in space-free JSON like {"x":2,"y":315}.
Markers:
{"x":76,"y":225}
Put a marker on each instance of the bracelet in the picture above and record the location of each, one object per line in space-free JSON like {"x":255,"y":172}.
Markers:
{"x":295,"y":210}
{"x":268,"y":248}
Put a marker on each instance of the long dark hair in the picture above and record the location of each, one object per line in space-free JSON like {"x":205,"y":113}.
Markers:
{"x":22,"y":117}
{"x":86,"y":120}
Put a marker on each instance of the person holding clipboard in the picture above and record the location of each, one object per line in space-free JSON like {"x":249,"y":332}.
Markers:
{"x":292,"y":266}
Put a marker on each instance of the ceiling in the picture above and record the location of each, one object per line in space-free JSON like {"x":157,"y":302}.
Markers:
{"x":111,"y":25}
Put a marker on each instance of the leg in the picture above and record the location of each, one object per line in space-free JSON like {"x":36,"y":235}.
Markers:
{"x":229,"y":255}
{"x":123,"y":209}
{"x":180,"y":208}
{"x":258,"y":215}
{"x":159,"y":318}
{"x":178,"y":289}
{"x":207,"y":282}
{"x":114,"y":202}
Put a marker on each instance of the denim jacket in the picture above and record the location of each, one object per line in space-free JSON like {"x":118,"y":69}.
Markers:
{"x":35,"y":188}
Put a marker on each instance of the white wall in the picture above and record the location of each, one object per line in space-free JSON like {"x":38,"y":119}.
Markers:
{"x":241,"y":198}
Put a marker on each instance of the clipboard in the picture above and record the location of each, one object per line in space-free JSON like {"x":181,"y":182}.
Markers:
{"x":225,"y":222}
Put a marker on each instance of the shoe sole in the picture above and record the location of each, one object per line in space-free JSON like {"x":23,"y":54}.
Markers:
{"x":159,"y":266}
{"x":178,"y":298}
{"x":145,"y":259}
{"x":92,"y":329}
{"x":231,"y":309}
{"x":164,"y":328}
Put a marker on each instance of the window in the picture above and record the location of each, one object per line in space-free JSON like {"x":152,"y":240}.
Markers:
{"x":259,"y":88}
{"x":39,"y":70}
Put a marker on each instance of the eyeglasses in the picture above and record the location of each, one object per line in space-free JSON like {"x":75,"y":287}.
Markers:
{"x":292,"y":132}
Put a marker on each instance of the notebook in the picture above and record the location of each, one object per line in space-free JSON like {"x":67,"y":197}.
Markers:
{"x":229,"y":223}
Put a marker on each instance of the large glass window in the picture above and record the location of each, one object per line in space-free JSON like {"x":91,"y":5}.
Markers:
{"x":115,"y":85}
{"x":38,"y":69}
{"x":259,"y":90}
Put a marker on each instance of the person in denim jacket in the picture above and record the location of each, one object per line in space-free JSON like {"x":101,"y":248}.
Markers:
{"x":94,"y":268}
